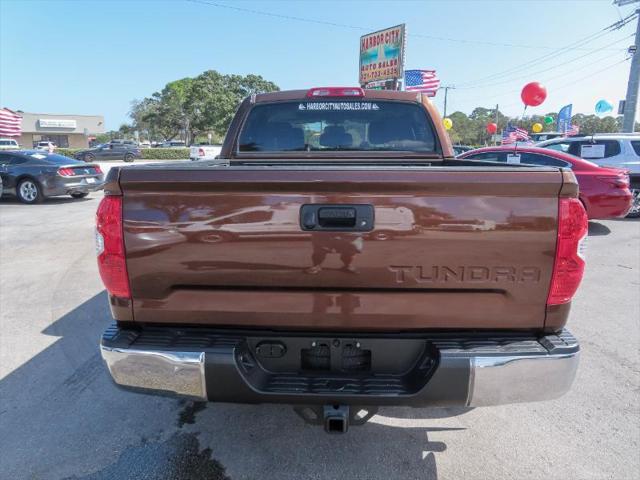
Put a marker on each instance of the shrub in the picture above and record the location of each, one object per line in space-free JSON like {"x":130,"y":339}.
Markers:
{"x":67,"y":152}
{"x":165,"y":153}
{"x":147,"y":153}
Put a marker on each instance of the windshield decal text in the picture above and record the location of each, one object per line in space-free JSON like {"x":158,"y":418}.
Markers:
{"x":316,"y":106}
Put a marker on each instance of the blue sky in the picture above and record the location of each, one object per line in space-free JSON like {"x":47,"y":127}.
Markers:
{"x":95,"y":57}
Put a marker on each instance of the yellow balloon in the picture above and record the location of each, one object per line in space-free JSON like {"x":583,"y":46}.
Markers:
{"x":448,"y":124}
{"x":537,"y":127}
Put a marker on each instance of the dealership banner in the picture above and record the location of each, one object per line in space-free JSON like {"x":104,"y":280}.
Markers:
{"x":382,"y":55}
{"x":564,"y":118}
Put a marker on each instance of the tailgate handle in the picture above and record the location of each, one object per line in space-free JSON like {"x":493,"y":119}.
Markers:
{"x":337,"y":217}
{"x":345,"y":218}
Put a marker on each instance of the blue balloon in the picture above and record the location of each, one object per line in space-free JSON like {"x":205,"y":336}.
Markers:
{"x":603,"y":107}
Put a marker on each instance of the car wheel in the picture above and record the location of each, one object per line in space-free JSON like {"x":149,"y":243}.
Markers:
{"x":128,"y":158}
{"x":216,"y":237}
{"x":79,"y":194}
{"x":88,"y":157}
{"x":634,"y":212}
{"x":29,"y":191}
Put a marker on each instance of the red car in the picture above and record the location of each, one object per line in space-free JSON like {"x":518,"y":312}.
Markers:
{"x":604,"y":191}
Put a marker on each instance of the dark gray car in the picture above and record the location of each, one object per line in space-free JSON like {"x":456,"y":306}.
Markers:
{"x":110,"y":151}
{"x":33,"y":175}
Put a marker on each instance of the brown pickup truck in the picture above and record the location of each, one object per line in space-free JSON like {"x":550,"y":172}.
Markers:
{"x":336,"y":257}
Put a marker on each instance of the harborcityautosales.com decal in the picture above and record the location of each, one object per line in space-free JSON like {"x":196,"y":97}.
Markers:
{"x":338,"y":106}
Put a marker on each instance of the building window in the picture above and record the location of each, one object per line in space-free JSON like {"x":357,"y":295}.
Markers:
{"x":61,"y":141}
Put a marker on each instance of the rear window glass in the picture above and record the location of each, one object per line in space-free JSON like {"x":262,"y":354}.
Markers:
{"x":611,"y":147}
{"x":488,"y":157}
{"x":536,"y":159}
{"x":337,"y":126}
{"x":560,"y":146}
{"x":54,"y":159}
{"x":636,"y":147}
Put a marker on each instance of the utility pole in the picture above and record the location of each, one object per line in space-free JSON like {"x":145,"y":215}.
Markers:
{"x":631,"y":102}
{"x":446,"y":90}
{"x":496,"y":120}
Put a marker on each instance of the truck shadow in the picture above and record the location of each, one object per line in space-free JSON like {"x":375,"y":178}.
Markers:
{"x":62,"y":417}
{"x":47,"y":201}
{"x":597,"y":229}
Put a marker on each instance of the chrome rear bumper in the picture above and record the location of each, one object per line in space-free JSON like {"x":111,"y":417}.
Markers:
{"x":179,"y":373}
{"x":452,"y":371}
{"x":516,"y":379}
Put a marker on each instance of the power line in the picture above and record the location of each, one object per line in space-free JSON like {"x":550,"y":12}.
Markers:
{"x":580,"y":79}
{"x":357,"y":27}
{"x":558,"y":52}
{"x":483,"y":85}
{"x":550,"y":79}
{"x":592,"y":74}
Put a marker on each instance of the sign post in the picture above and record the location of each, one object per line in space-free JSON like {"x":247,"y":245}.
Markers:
{"x":382,"y":58}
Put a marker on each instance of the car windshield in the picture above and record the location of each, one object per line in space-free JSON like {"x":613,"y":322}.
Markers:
{"x":8,"y":142}
{"x":333,"y":125}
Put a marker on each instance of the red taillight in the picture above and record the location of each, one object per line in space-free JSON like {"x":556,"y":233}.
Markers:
{"x":568,"y":266}
{"x":201,"y":152}
{"x":110,"y":247}
{"x":97,"y":169}
{"x":336,"y":92}
{"x":66,"y":172}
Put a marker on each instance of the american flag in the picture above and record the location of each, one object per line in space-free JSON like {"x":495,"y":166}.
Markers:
{"x":421,"y":81}
{"x":573,"y":131}
{"x":513,"y":134}
{"x":10,"y":123}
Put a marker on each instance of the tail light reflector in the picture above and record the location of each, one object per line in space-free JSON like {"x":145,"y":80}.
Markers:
{"x":66,"y":172}
{"x":568,"y":266}
{"x":336,"y":92}
{"x":110,"y":247}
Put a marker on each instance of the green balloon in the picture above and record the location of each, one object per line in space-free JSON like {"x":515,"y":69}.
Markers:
{"x":548,"y":120}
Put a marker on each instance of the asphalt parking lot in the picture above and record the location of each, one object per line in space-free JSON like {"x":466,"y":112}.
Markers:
{"x":61,"y":417}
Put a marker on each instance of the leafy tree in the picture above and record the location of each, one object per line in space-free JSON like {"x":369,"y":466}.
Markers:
{"x":193,"y":107}
{"x":471,"y":130}
{"x":104,"y":137}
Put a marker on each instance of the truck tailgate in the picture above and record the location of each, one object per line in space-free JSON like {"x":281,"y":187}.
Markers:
{"x":450,"y":247}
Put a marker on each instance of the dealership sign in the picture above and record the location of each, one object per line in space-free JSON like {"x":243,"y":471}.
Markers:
{"x":382,"y":55}
{"x":56,"y":123}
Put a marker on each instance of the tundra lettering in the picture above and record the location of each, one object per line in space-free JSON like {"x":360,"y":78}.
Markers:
{"x":434,"y":274}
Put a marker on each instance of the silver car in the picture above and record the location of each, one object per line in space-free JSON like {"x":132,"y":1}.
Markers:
{"x":620,"y":150}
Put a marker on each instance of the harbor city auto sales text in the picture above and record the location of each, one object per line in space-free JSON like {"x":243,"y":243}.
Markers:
{"x":370,"y":41}
{"x":386,"y":68}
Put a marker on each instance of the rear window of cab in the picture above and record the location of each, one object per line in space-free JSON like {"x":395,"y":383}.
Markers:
{"x":337,"y":125}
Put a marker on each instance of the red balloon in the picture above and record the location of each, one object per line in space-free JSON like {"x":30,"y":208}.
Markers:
{"x":533,"y":94}
{"x":492,"y":128}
